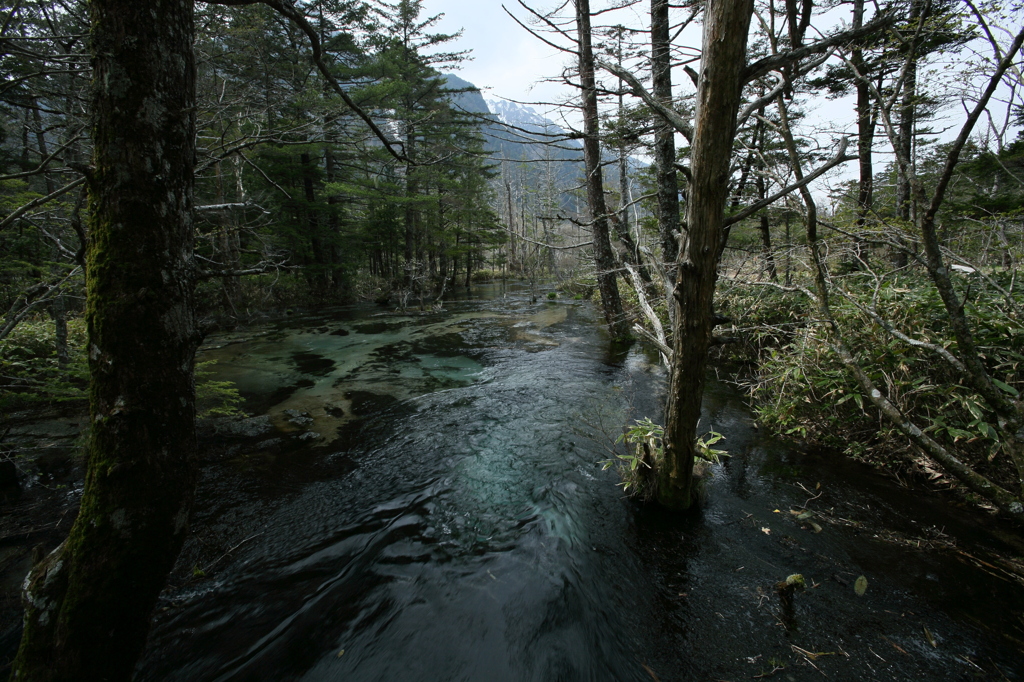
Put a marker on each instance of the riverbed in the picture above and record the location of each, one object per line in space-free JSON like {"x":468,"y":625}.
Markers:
{"x":419,"y":496}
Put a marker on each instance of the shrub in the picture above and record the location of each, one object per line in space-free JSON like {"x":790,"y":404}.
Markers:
{"x":802,"y":389}
{"x":29,"y":373}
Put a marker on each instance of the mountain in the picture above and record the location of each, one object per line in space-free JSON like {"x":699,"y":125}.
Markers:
{"x":517,"y":114}
{"x":528,"y":136}
{"x":541,"y":150}
{"x":468,"y":98}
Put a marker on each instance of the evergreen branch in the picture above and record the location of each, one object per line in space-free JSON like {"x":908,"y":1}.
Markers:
{"x":839,"y":157}
{"x":18,"y":212}
{"x":286,"y":9}
{"x":783,"y":59}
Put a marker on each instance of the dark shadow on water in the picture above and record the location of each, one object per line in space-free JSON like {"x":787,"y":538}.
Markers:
{"x":312,"y":363}
{"x":365,"y":403}
{"x":260,"y":403}
{"x":617,"y":352}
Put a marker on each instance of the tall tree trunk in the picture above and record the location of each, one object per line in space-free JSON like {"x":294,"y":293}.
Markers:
{"x":865,"y":124}
{"x":410,"y":216}
{"x":664,"y":135}
{"x":620,"y":221}
{"x":858,"y":257}
{"x":321,"y":257}
{"x":726,"y":23}
{"x":88,"y":603}
{"x":618,"y":325}
{"x":338,"y":280}
{"x":766,"y":233}
{"x":58,"y":309}
{"x":229,"y":285}
{"x":905,"y":209}
{"x":511,"y":223}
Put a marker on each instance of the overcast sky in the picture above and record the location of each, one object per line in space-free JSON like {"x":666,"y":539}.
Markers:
{"x":505,"y":60}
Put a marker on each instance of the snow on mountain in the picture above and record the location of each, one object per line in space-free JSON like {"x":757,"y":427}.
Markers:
{"x":516,"y":114}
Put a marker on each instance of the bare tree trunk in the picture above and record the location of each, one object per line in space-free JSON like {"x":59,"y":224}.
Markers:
{"x":766,"y":234}
{"x":1004,"y":242}
{"x":865,"y":140}
{"x":58,"y":309}
{"x":726,"y":23}
{"x":410,"y":217}
{"x":618,"y":325}
{"x":88,"y":603}
{"x":511,"y":221}
{"x":620,"y":221}
{"x":905,"y":209}
{"x":664,"y":136}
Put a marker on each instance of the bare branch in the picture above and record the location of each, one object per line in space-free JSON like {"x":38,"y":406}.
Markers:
{"x":22,"y":210}
{"x":666,"y":112}
{"x":839,"y":157}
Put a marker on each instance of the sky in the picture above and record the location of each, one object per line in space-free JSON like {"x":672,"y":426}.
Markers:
{"x":506,"y":61}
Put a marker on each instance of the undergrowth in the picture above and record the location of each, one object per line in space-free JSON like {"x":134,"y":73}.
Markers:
{"x":30,"y":376}
{"x":801,"y":389}
{"x":29,"y":372}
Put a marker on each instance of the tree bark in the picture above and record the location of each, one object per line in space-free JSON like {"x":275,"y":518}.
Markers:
{"x":865,"y":124}
{"x":604,"y":259}
{"x":726,"y":23}
{"x":905,"y":205}
{"x":620,"y":222}
{"x":764,"y":226}
{"x":88,"y":603}
{"x":865,"y":141}
{"x":664,"y":134}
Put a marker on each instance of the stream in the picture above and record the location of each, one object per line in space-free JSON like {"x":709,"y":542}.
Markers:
{"x":419,"y":498}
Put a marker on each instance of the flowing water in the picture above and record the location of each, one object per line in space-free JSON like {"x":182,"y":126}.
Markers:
{"x":423,"y":501}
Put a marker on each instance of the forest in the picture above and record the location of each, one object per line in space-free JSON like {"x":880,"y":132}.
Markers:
{"x":311,"y":339}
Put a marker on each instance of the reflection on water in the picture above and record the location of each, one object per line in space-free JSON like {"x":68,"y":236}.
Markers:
{"x":448,"y":520}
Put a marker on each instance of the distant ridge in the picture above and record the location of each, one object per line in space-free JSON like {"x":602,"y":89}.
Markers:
{"x":528,"y":138}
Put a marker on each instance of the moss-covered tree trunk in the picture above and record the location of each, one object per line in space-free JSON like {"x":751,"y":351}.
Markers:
{"x":88,"y":604}
{"x":718,"y":97}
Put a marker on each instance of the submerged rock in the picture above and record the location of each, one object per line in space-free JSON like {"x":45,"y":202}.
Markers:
{"x":298,"y":418}
{"x":253,"y":427}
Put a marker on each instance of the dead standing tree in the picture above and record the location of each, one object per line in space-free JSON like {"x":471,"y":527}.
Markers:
{"x":582,"y":51}
{"x":726,"y":23}
{"x":724,"y":72}
{"x":607,"y":283}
